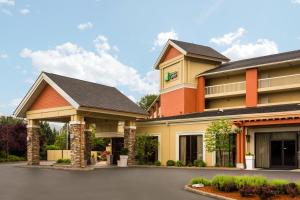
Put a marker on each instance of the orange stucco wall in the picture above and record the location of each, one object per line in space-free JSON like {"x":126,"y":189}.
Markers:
{"x":178,"y":102}
{"x":171,"y":53}
{"x":49,"y":98}
{"x":251,"y":87}
{"x":200,"y":104}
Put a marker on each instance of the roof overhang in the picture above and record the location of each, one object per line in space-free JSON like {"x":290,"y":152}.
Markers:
{"x":35,"y":91}
{"x":249,"y":67}
{"x":170,"y":43}
{"x":166,"y":47}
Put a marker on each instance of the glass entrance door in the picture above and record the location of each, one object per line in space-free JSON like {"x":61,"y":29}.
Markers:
{"x":190,"y":148}
{"x":283,"y":154}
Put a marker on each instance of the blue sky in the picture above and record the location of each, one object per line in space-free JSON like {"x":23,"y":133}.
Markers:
{"x":116,"y":42}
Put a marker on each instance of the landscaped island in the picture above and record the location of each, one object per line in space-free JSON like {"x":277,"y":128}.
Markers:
{"x":245,"y":187}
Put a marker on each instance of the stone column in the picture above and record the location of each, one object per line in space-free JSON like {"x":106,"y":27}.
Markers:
{"x":77,"y":138}
{"x":88,"y":144}
{"x":33,"y":142}
{"x":129,"y":140}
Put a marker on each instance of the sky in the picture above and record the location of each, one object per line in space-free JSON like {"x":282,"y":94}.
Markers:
{"x":116,"y":42}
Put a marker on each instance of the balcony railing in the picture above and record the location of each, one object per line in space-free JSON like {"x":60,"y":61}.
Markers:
{"x":281,"y":81}
{"x":229,"y":88}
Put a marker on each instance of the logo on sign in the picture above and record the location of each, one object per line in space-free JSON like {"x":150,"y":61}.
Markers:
{"x":170,"y":76}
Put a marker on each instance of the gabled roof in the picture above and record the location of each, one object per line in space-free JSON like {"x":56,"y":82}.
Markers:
{"x":79,"y":94}
{"x":255,"y":62}
{"x":192,"y":50}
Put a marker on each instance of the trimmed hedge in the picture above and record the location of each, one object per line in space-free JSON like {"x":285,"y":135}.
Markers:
{"x":251,"y":185}
{"x":63,"y":161}
{"x":170,"y":163}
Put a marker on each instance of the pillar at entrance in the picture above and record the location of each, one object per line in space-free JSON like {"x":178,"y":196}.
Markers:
{"x":77,"y":127}
{"x":33,"y":142}
{"x":129,"y":140}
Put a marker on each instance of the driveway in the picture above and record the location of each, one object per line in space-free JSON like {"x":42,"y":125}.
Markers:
{"x":111,"y":184}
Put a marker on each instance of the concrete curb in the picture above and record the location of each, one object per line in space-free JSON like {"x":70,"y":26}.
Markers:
{"x":174,"y":167}
{"x":64,"y":167}
{"x":215,"y":196}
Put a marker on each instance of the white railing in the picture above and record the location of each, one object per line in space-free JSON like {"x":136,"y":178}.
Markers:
{"x":280,"y":81}
{"x":226,"y":88}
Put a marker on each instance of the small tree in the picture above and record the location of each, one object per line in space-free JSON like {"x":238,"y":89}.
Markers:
{"x":146,"y":101}
{"x":145,"y":148}
{"x":217,"y":138}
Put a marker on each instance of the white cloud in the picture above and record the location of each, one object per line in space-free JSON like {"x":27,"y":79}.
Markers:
{"x":24,"y":11}
{"x":71,"y":60}
{"x":261,"y":47}
{"x":85,"y":26}
{"x":296,"y":1}
{"x":228,"y":38}
{"x":3,"y":55}
{"x":163,"y":37}
{"x":7,"y":2}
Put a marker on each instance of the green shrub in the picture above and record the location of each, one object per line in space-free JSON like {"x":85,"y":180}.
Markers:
{"x":224,"y":183}
{"x":198,"y":180}
{"x":190,"y":164}
{"x":241,"y":181}
{"x":63,"y":161}
{"x":124,"y":151}
{"x":199,"y":163}
{"x":12,"y":158}
{"x":157,"y":163}
{"x":179,"y":163}
{"x":52,"y":147}
{"x":170,"y":163}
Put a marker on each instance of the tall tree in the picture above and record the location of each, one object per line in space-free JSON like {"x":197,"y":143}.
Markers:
{"x":12,"y":136}
{"x":217,"y":138}
{"x":146,"y":101}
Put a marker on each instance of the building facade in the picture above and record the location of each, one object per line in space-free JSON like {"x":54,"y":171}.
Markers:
{"x":260,"y":96}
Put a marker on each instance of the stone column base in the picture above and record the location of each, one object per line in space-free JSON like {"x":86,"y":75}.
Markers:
{"x":77,"y":144}
{"x":129,"y":143}
{"x":33,"y":145}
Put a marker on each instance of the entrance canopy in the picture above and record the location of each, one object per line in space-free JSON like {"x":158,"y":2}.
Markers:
{"x":80,"y":103}
{"x":54,"y":97}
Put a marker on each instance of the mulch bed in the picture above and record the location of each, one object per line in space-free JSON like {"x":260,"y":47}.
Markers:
{"x":236,"y":195}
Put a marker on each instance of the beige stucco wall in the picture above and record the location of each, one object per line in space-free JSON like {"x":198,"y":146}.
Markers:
{"x":168,"y":136}
{"x":226,"y":102}
{"x":176,"y":66}
{"x":226,"y":79}
{"x":284,"y":96}
{"x":196,"y":67}
{"x":187,"y":70}
{"x":283,"y":71}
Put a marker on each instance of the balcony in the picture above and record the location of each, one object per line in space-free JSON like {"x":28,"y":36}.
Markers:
{"x":279,"y":83}
{"x":229,"y":89}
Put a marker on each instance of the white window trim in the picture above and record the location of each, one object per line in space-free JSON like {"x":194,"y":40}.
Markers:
{"x":178,"y":134}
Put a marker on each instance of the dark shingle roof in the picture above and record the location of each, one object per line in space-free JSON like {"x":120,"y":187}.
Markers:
{"x":197,"y":49}
{"x":93,"y":95}
{"x":242,"y":64}
{"x":232,"y":112}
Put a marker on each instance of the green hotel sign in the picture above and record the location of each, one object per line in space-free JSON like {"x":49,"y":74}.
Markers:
{"x":170,"y":76}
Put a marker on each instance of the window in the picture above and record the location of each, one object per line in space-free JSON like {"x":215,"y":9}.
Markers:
{"x":190,"y":148}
